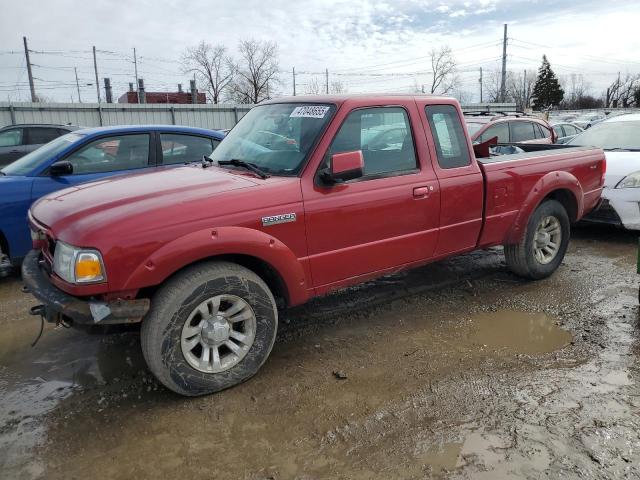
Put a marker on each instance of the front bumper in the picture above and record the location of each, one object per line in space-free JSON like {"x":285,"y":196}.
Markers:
{"x":620,"y":207}
{"x":58,"y":305}
{"x":603,"y":213}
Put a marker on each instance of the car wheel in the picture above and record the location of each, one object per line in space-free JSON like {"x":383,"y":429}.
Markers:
{"x":210,"y":327}
{"x":6,"y":267}
{"x":544,"y":243}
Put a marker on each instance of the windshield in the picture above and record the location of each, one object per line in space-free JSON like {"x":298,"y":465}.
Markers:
{"x":474,"y":127}
{"x":608,"y":135}
{"x":26,"y":164}
{"x":276,"y":138}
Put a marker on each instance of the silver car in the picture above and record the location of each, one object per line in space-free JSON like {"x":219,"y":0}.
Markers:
{"x":18,"y":140}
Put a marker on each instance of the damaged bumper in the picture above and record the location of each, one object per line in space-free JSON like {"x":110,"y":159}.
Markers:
{"x":59,"y":306}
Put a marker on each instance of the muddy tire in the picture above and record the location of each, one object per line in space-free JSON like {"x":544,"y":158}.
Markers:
{"x":544,"y":243}
{"x":210,"y":327}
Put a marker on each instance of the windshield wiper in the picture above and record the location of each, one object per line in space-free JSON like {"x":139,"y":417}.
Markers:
{"x":2,"y":173}
{"x":618,"y":149}
{"x":249,"y":166}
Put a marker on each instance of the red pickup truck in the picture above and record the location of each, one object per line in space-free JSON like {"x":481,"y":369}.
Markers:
{"x":304,"y":196}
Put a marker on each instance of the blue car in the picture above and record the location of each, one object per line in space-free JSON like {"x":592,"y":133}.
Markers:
{"x":83,"y":156}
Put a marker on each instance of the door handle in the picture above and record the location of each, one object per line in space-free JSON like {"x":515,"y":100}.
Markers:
{"x":422,"y":192}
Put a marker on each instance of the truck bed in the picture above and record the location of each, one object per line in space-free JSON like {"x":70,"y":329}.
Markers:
{"x":512,"y":180}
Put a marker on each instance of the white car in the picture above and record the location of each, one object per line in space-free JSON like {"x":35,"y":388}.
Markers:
{"x":619,"y":137}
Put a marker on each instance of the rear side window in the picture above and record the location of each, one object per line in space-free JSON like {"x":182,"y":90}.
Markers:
{"x":500,"y":130}
{"x":39,"y":135}
{"x":569,"y":130}
{"x":179,"y":148}
{"x":542,"y":131}
{"x":449,"y":136}
{"x":522,"y":131}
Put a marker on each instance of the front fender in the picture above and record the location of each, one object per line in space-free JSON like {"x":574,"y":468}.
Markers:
{"x":211,"y":242}
{"x":549,"y":183}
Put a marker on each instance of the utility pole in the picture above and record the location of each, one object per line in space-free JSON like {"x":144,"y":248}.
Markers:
{"x":34,"y":99}
{"x":326,"y":73}
{"x":294,"y":81}
{"x":135,"y":64}
{"x":503,"y":85}
{"x":77,"y":84}
{"x":524,"y":91}
{"x":95,"y":69}
{"x":480,"y":80}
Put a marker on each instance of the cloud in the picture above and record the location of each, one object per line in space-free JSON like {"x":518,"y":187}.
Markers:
{"x":341,"y":35}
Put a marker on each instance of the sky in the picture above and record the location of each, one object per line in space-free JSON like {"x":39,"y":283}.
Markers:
{"x":370,"y":46}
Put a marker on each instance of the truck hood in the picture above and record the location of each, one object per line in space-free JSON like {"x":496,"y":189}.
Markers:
{"x":619,"y":165}
{"x":179,"y":193}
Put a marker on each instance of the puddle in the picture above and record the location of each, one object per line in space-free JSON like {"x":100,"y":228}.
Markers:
{"x":442,"y":458}
{"x":522,"y":332}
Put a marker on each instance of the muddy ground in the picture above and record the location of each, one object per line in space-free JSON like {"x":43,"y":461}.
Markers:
{"x":456,"y":370}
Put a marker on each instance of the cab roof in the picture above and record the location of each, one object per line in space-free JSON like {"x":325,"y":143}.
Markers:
{"x":360,"y":97}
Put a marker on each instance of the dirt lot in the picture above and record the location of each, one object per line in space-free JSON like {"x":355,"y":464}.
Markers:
{"x":455,"y":370}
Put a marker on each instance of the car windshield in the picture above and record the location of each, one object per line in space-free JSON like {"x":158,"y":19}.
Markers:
{"x":610,"y":135}
{"x":473,"y":127}
{"x":276,"y":138}
{"x":31,"y":161}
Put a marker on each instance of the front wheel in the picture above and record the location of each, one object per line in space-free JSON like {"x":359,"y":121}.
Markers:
{"x":544,"y":243}
{"x":210,"y":327}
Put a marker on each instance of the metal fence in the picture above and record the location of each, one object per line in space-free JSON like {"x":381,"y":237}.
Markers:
{"x":204,"y":116}
{"x":94,"y":115}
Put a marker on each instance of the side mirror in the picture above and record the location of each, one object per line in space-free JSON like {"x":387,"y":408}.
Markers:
{"x":61,"y":168}
{"x":345,"y":166}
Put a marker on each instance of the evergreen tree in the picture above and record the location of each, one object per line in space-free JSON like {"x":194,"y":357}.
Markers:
{"x":547,"y":90}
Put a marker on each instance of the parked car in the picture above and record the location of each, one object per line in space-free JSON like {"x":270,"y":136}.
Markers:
{"x":565,"y":131}
{"x":588,"y":120}
{"x":82,"y":156}
{"x":509,"y":128}
{"x":619,"y":137}
{"x":205,"y":254}
{"x":18,"y":140}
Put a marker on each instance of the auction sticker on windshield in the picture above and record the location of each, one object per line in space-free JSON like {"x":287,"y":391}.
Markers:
{"x":310,"y":111}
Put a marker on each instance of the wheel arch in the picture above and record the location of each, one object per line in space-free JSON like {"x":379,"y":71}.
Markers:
{"x":561,"y":186}
{"x":263,"y":254}
{"x":4,"y":244}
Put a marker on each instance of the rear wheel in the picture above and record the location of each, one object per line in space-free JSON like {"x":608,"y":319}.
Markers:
{"x":544,"y":243}
{"x":210,"y":327}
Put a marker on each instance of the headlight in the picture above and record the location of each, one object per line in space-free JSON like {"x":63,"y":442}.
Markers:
{"x":630,"y":181}
{"x":78,"y":265}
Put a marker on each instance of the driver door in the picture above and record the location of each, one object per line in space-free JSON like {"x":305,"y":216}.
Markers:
{"x":100,"y":158}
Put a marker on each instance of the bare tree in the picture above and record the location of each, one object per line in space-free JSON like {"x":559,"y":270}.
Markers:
{"x":463,"y":96}
{"x":520,"y":87}
{"x":257,"y":71}
{"x":443,"y":71}
{"x":622,"y":92}
{"x":337,"y":87}
{"x":313,"y":87}
{"x":212,"y":66}
{"x":491,"y":86}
